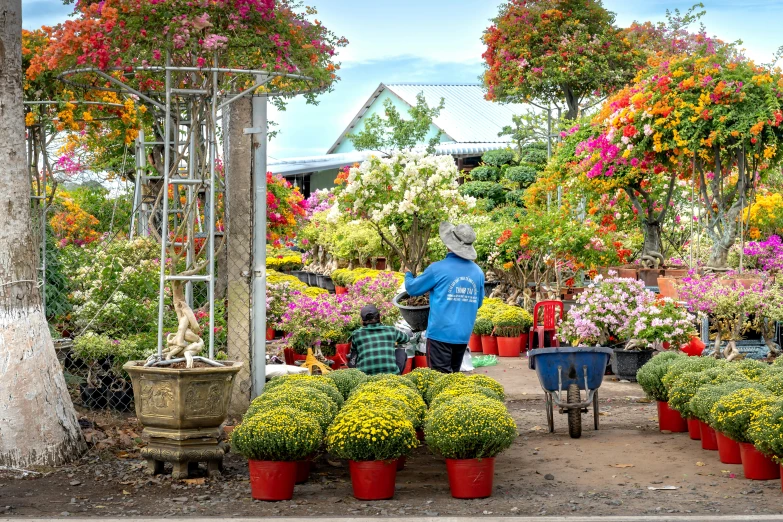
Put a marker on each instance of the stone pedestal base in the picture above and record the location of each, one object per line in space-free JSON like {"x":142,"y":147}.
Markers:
{"x":184,"y":449}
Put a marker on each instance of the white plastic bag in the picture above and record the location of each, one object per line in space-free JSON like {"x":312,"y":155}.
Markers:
{"x":467,"y":362}
{"x":278,"y":370}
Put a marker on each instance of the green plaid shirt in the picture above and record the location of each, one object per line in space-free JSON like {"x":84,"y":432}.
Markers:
{"x":374,"y":345}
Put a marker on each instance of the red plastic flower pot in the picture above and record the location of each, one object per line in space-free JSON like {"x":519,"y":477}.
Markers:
{"x":303,"y":471}
{"x":728,"y":449}
{"x":694,"y":429}
{"x":708,"y":438}
{"x":489,"y":344}
{"x":400,"y":463}
{"x":475,"y":343}
{"x":756,"y":465}
{"x":270,"y":334}
{"x":524,"y":339}
{"x":340,"y":290}
{"x":509,"y":346}
{"x":420,"y":361}
{"x":670,"y":420}
{"x":420,"y":435}
{"x":373,"y":479}
{"x":471,"y":478}
{"x":408,"y":366}
{"x":272,"y":480}
{"x":694,"y":347}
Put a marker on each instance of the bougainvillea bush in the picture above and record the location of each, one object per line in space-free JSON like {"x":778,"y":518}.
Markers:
{"x":284,"y":205}
{"x":404,"y":197}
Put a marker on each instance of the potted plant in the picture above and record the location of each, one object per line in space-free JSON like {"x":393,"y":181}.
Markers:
{"x":766,"y":431}
{"x":469,"y":432}
{"x":372,"y":456}
{"x":340,"y":279}
{"x":701,"y":407}
{"x":404,"y":197}
{"x":650,"y":377}
{"x":511,"y":325}
{"x":273,"y":441}
{"x":659,"y":323}
{"x":732,"y":415}
{"x":423,"y":378}
{"x":347,"y":380}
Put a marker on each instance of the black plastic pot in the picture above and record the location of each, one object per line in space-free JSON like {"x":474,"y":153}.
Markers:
{"x":326,"y":283}
{"x":121,"y":400}
{"x":417,"y":317}
{"x":302,"y":276}
{"x":93,"y":398}
{"x":312,"y":279}
{"x":627,"y":362}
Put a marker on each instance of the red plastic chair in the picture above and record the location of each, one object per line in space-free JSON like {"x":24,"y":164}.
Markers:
{"x":548,"y":311}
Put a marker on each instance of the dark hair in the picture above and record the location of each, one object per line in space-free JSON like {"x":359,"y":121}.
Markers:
{"x":374,"y":319}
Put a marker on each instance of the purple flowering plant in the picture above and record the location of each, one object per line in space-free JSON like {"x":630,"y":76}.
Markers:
{"x":766,"y":255}
{"x":662,"y":321}
{"x":604,"y":312}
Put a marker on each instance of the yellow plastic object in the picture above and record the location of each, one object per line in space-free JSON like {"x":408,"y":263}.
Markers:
{"x":313,"y":365}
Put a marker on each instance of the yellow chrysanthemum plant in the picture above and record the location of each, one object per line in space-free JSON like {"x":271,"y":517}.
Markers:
{"x":733,"y":414}
{"x":459,"y":378}
{"x":279,"y":434}
{"x":423,"y":378}
{"x":766,"y":430}
{"x":318,"y":382}
{"x":371,"y":433}
{"x":347,"y":379}
{"x":310,"y":401}
{"x":470,"y":427}
{"x":396,"y":390}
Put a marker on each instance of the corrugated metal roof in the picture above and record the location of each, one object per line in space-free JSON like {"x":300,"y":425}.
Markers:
{"x":305,"y":164}
{"x":466,"y":116}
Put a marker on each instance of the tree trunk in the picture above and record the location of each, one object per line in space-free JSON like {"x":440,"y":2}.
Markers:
{"x":653,"y":243}
{"x":38,"y":425}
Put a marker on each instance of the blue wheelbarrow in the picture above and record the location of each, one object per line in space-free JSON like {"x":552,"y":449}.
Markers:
{"x":566,"y":372}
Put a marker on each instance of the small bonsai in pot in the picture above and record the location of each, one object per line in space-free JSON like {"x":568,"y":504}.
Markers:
{"x":273,"y":441}
{"x":470,"y":432}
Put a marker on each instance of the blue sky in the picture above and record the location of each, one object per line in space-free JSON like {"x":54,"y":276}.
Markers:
{"x":439,"y":41}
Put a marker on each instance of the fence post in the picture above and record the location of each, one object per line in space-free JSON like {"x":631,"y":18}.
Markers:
{"x":238,"y":229}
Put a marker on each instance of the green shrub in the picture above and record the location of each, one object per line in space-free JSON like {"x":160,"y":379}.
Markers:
{"x":535,"y":154}
{"x":649,"y":376}
{"x":516,"y":198}
{"x":490,"y":190}
{"x":753,"y":370}
{"x":733,"y":413}
{"x":308,"y":401}
{"x":524,"y":175}
{"x":393,"y":380}
{"x":318,"y":382}
{"x":485,"y":173}
{"x":370,"y":433}
{"x":279,"y":434}
{"x":688,"y":384}
{"x":470,"y":427}
{"x":423,"y":378}
{"x":498,"y":158}
{"x":686,"y":365}
{"x":347,"y":379}
{"x":772,"y":380}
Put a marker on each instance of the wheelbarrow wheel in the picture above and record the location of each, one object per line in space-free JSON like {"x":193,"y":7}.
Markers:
{"x":595,"y":410}
{"x":550,"y":413}
{"x":574,"y":414}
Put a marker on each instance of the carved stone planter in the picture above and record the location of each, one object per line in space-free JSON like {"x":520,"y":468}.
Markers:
{"x":182,"y":411}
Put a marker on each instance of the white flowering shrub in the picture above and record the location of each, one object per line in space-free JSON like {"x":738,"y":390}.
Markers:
{"x":404,"y":197}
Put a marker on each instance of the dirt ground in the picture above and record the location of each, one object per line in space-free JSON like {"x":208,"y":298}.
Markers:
{"x":608,"y":472}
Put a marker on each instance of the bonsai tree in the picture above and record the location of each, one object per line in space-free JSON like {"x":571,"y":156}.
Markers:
{"x":404,"y":198}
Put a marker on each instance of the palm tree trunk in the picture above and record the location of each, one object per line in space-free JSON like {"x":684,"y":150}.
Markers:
{"x":38,"y":425}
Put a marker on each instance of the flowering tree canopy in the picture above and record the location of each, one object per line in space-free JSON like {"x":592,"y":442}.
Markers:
{"x":713,"y":113}
{"x":247,"y":34}
{"x":408,"y":194}
{"x":284,"y":205}
{"x":556,"y":50}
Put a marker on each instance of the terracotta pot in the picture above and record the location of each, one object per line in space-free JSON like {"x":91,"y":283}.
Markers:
{"x":756,"y":465}
{"x":649,"y":276}
{"x":708,"y":438}
{"x":373,"y":479}
{"x":667,"y":287}
{"x":471,"y":478}
{"x":629,"y":273}
{"x":474,"y":343}
{"x":670,"y":420}
{"x":272,"y":480}
{"x":489,"y":344}
{"x":675,"y":272}
{"x":728,"y":449}
{"x":746,"y":282}
{"x":694,"y":429}
{"x":509,"y":346}
{"x":420,"y":361}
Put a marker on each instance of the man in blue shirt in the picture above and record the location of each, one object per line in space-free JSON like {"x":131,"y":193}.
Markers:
{"x":456,"y":287}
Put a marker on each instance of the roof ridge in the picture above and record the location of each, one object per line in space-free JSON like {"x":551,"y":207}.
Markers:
{"x":425,"y":84}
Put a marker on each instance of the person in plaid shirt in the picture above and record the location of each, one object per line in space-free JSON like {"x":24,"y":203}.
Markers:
{"x":373,"y":346}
